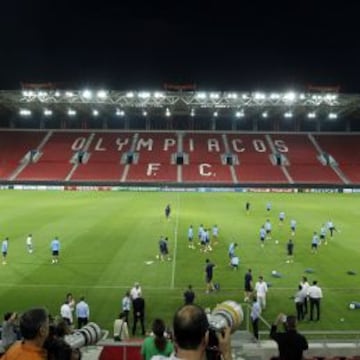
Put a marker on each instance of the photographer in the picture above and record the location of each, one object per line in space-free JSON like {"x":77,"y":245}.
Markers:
{"x":291,"y":344}
{"x":10,"y":329}
{"x":56,"y":346}
{"x":191,"y":335}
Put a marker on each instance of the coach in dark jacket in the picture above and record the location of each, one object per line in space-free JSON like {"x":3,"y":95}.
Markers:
{"x":139,"y":313}
{"x":291,"y":344}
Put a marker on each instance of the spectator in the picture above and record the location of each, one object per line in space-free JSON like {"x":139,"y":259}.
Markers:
{"x":291,"y":344}
{"x":156,"y":344}
{"x":191,"y":333}
{"x":55,"y":344}
{"x":121,"y":331}
{"x":82,"y":312}
{"x":126,"y":305}
{"x":10,"y":330}
{"x":189,"y":295}
{"x":138,"y":314}
{"x":34,"y":327}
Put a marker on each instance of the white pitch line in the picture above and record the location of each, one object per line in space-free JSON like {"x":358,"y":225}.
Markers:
{"x":172,"y":285}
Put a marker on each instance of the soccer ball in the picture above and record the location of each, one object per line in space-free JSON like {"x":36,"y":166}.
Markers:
{"x":157,"y":256}
{"x":273,"y":272}
{"x":352,"y":306}
{"x":276,"y":242}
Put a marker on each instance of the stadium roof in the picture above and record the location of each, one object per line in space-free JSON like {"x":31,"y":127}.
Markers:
{"x":175,"y":103}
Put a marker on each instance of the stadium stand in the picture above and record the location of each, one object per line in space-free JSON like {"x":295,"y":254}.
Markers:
{"x":103,"y":161}
{"x":345,"y":151}
{"x":15,"y":150}
{"x":254,"y":154}
{"x":304,"y":161}
{"x":179,"y":157}
{"x":153,"y":158}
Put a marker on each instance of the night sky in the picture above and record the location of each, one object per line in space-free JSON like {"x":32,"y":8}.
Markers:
{"x":217,"y":45}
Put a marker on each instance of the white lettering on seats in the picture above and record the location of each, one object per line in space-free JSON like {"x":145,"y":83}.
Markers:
{"x":78,"y":144}
{"x":121,"y":143}
{"x":98,"y":146}
{"x":259,"y":145}
{"x":238,"y":145}
{"x":168,"y":143}
{"x":152,"y":169}
{"x":203,"y":170}
{"x":213,"y":145}
{"x":281,"y":146}
{"x":145,"y":144}
{"x":191,"y":145}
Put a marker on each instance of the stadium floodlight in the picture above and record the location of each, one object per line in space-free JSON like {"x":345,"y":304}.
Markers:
{"x":201,"y":95}
{"x":95,"y":112}
{"x":311,"y":115}
{"x":57,"y":93}
{"x":240,"y":114}
{"x":289,"y":96}
{"x":264,"y":114}
{"x":101,"y":94}
{"x":214,"y":96}
{"x":259,"y":96}
{"x":25,"y":112}
{"x":332,"y":116}
{"x":245,"y":96}
{"x":274,"y":96}
{"x":158,"y":95}
{"x":330,"y":97}
{"x":130,"y":94}
{"x":120,"y":112}
{"x":69,"y":94}
{"x":302,"y":96}
{"x":87,"y":94}
{"x":144,"y":113}
{"x":167,"y":112}
{"x":192,"y":112}
{"x":215,"y":114}
{"x":232,"y":96}
{"x":144,"y":95}
{"x":28,"y":93}
{"x":48,"y":112}
{"x":288,"y":114}
{"x":71,"y":112}
{"x":42,"y":93}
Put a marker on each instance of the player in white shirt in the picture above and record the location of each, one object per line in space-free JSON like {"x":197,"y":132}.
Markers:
{"x":261,"y":289}
{"x":262,"y":234}
{"x":29,"y":244}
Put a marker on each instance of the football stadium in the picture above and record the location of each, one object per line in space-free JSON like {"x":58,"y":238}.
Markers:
{"x":96,"y":169}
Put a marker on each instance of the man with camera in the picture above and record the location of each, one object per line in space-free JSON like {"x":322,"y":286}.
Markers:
{"x":291,"y":344}
{"x":192,"y":334}
{"x":34,"y":327}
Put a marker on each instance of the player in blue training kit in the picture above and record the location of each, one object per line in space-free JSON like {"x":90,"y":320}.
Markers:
{"x":55,"y":250}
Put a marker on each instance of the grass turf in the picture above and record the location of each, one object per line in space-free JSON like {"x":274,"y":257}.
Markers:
{"x":107,"y":238}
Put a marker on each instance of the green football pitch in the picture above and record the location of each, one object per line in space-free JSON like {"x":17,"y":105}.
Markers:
{"x":109,"y":240}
